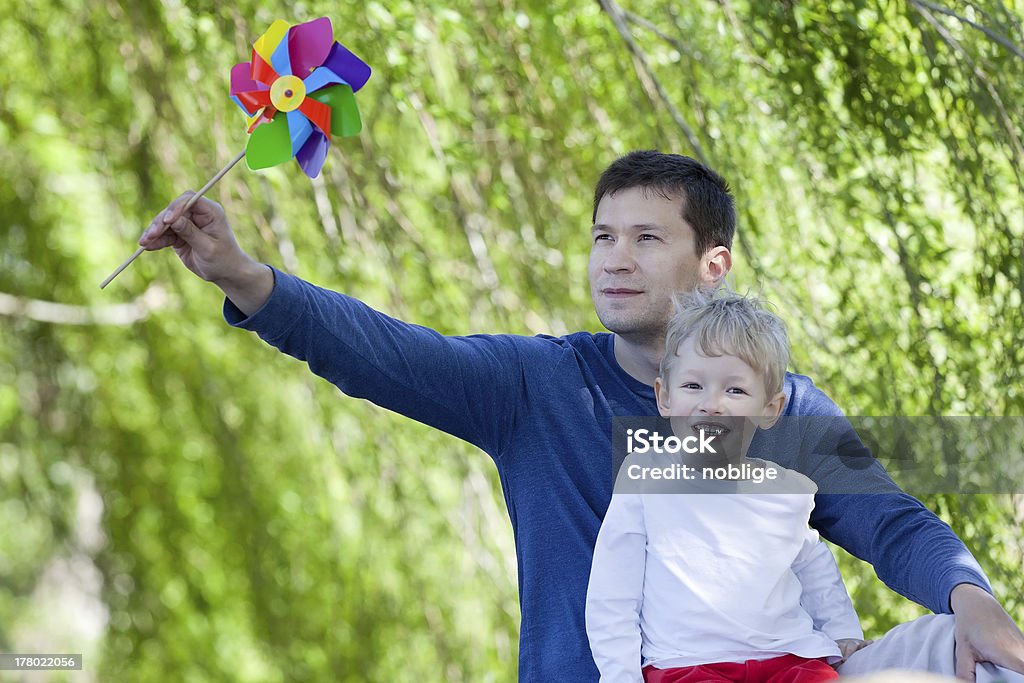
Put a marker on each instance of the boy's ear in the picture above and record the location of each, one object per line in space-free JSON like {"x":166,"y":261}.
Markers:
{"x":772,"y":410}
{"x":661,"y":392}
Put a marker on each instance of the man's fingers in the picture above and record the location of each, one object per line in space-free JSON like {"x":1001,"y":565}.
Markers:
{"x":174,"y":209}
{"x":965,"y":663}
{"x":205,"y":211}
{"x":155,"y":235}
{"x":185,"y":230}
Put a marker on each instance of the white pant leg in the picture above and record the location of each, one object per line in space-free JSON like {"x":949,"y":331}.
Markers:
{"x":924,"y":644}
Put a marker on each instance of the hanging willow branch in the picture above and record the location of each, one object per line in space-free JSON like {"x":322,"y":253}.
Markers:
{"x":953,"y":43}
{"x":920,"y":5}
{"x":644,"y":71}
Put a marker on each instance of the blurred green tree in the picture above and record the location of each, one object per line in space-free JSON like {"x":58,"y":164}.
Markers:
{"x":256,"y":526}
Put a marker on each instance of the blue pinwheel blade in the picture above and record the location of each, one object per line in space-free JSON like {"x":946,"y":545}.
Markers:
{"x":299,"y":128}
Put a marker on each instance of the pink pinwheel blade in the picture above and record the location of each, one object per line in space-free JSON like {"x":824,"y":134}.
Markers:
{"x":309,"y":44}
{"x":342,"y":62}
{"x":312,"y":155}
{"x":241,"y":81}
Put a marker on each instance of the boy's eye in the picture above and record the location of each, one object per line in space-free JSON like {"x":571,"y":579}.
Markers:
{"x":737,"y":390}
{"x":690,"y":385}
{"x":602,"y":237}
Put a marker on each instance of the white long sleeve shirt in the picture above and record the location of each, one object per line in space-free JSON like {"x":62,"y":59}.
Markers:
{"x":681,"y":579}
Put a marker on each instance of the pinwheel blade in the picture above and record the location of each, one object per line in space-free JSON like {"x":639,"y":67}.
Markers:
{"x":253,"y":101}
{"x":318,"y":113}
{"x":281,"y":60}
{"x":309,"y":44}
{"x":261,"y":71}
{"x":345,"y":119}
{"x":268,"y":42}
{"x":241,"y":80}
{"x":352,"y":70}
{"x":264,"y":115}
{"x":270,"y":144}
{"x":320,"y":78}
{"x":299,"y":129}
{"x":312,"y":155}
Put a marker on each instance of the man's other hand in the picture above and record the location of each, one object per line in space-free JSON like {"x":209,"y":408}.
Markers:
{"x":847,"y":646}
{"x":984,"y":632}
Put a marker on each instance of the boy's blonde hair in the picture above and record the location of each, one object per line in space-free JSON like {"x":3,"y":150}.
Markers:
{"x":724,"y":322}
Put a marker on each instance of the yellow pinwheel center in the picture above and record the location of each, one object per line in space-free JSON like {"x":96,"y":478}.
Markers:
{"x":287,"y":93}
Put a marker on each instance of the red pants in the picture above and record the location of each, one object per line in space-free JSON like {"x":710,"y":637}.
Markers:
{"x":784,"y":669}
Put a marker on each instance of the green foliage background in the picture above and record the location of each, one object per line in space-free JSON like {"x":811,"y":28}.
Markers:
{"x":251,"y":524}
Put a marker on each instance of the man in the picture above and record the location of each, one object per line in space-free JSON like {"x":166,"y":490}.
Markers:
{"x":542,"y":407}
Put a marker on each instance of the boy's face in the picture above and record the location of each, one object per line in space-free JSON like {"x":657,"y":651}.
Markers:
{"x":721,"y":395}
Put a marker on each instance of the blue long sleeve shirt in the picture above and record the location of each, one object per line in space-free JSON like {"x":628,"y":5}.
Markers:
{"x":542,"y":408}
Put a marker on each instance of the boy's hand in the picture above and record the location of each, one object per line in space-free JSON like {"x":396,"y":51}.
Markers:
{"x":847,"y":646}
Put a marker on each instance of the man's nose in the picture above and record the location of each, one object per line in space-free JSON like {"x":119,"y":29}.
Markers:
{"x":620,"y":258}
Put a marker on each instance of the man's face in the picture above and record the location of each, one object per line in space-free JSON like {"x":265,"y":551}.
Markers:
{"x":642,"y":254}
{"x":719,"y":395}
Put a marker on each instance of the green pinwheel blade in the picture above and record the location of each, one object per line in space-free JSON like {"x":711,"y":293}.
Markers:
{"x":270,"y":144}
{"x":345,"y":119}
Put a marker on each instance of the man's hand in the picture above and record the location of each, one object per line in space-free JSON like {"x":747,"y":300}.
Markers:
{"x":847,"y":646}
{"x":202,"y":239}
{"x":984,"y":632}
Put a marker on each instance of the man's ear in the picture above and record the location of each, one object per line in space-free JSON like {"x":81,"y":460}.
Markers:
{"x":715,"y":265}
{"x":772,"y":410}
{"x":661,"y":392}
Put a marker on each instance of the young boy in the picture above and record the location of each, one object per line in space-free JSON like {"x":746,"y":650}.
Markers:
{"x":716,"y":576}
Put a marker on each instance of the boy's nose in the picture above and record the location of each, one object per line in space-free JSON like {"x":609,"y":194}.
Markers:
{"x":710,"y":406}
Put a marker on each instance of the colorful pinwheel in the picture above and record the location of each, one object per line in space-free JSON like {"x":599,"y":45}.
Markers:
{"x":300,"y":72}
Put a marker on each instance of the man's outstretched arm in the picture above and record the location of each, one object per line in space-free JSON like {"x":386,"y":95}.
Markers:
{"x":471,"y":387}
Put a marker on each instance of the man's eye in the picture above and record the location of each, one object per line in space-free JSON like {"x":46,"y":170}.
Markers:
{"x":602,"y":237}
{"x":647,"y":238}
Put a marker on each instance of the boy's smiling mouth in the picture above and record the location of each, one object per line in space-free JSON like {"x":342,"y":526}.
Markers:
{"x":712,"y":429}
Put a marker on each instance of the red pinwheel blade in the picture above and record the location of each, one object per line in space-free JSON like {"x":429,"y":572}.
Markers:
{"x":254,"y":99}
{"x":261,"y":71}
{"x":318,"y":113}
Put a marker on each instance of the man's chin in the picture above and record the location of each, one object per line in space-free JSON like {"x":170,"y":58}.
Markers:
{"x":634,"y":328}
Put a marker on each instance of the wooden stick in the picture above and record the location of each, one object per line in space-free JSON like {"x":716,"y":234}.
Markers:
{"x":210,"y":183}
